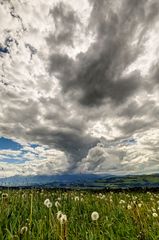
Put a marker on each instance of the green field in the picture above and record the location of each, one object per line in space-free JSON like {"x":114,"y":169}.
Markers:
{"x":131,"y":216}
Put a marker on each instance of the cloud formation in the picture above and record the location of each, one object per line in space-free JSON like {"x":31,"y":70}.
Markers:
{"x":97,"y":74}
{"x":80,"y":80}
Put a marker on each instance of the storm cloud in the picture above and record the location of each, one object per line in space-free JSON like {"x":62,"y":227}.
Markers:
{"x":79,"y":80}
{"x":98,"y":74}
{"x":65,"y":22}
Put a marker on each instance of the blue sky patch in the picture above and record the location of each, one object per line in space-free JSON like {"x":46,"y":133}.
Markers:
{"x":12,"y":160}
{"x":4,"y":50}
{"x":34,"y":145}
{"x":6,"y":143}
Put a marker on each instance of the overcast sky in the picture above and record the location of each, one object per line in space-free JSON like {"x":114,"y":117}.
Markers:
{"x":79,"y":86}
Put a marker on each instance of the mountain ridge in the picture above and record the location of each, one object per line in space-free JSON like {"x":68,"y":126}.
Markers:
{"x":83,"y":180}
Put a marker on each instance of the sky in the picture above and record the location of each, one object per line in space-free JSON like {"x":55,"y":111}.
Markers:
{"x":79,"y":87}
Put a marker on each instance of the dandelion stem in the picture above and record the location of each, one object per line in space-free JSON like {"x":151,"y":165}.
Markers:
{"x":31,"y":209}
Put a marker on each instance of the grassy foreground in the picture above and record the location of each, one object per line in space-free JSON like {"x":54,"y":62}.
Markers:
{"x":45,"y":215}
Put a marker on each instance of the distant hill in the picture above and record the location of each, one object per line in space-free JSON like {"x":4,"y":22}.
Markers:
{"x":51,"y":181}
{"x":90,"y":181}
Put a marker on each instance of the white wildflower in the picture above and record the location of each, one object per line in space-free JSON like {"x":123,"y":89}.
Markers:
{"x":63,"y":218}
{"x":122,"y":202}
{"x":59,"y":214}
{"x":153,"y":209}
{"x":154,"y":214}
{"x":4,"y":195}
{"x":94,"y":216}
{"x":46,"y":201}
{"x":57,"y":204}
{"x":24,"y":230}
{"x":129,"y":206}
{"x":49,"y":205}
{"x":76,"y":198}
{"x":24,"y":195}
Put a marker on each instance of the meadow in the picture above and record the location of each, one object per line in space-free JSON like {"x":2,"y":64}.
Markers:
{"x":78,"y":215}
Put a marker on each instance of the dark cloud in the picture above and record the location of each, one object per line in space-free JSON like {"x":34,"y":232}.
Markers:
{"x":153,"y":78}
{"x":62,"y":66}
{"x":97,"y":75}
{"x":75,"y":144}
{"x":136,"y":110}
{"x":65,"y":20}
{"x":134,"y":126}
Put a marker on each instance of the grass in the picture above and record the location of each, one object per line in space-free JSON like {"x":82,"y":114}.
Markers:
{"x":126,"y":216}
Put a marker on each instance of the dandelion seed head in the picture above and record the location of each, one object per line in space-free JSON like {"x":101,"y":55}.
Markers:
{"x":24,"y":195}
{"x":63,"y":218}
{"x":129,"y":207}
{"x":76,"y":198}
{"x":94,"y":216}
{"x":49,"y":205}
{"x":122,"y":202}
{"x":46,"y":201}
{"x":153,"y":209}
{"x":24,"y":230}
{"x":59,"y":214}
{"x":57,"y":204}
{"x":154,"y":214}
{"x":4,"y":195}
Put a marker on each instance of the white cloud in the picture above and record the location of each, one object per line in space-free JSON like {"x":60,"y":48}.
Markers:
{"x":137,"y":155}
{"x":38,"y":161}
{"x":35,"y":109}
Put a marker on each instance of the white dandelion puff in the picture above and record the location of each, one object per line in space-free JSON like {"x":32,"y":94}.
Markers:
{"x":154,"y":214}
{"x":24,"y":230}
{"x":4,"y":195}
{"x":122,"y":202}
{"x":63,"y":218}
{"x":57,"y":204}
{"x":153,"y":209}
{"x":24,"y":195}
{"x":129,"y":207}
{"x":94,"y":216}
{"x":76,"y":198}
{"x":59,"y":214}
{"x":49,"y":205}
{"x":46,"y":201}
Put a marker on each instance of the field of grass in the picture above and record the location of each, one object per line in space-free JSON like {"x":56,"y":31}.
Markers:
{"x":59,"y":215}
